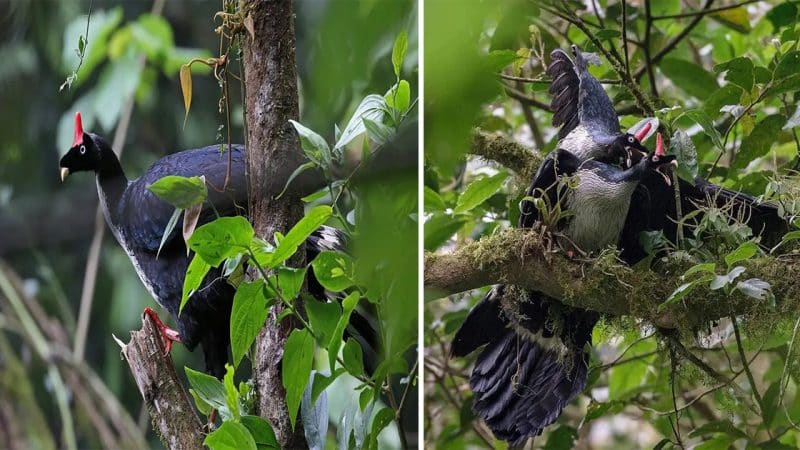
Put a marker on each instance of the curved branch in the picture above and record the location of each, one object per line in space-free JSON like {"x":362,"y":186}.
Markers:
{"x":520,"y":257}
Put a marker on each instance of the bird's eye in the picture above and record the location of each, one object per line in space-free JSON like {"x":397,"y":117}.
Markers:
{"x":83,"y":150}
{"x":630,"y":139}
{"x":655,"y":158}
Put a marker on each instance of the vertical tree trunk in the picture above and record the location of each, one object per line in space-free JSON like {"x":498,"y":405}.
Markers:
{"x":273,"y":151}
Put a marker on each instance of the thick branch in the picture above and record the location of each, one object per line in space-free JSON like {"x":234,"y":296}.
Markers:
{"x":508,"y":153}
{"x":519,"y":257}
{"x":271,"y":100}
{"x":169,"y":406}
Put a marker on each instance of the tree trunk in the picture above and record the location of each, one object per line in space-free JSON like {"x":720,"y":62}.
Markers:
{"x":273,"y":152}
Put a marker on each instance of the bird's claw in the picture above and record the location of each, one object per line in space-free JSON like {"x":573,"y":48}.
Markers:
{"x":167,"y":333}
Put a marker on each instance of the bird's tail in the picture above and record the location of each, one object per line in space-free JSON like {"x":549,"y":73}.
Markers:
{"x":484,"y":324}
{"x":521,"y":383}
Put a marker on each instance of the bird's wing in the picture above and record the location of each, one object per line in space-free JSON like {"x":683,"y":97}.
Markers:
{"x":545,"y":184}
{"x":565,"y":91}
{"x":145,"y":216}
{"x":595,"y":110}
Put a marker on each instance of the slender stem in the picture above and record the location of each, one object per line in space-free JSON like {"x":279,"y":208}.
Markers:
{"x":526,"y":99}
{"x":747,"y":371}
{"x":625,"y":37}
{"x":648,"y":25}
{"x":705,"y":11}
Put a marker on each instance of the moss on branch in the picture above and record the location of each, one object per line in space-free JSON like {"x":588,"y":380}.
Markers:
{"x":602,"y":284}
{"x":508,"y":153}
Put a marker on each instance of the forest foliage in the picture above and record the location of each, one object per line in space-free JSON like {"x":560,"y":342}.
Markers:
{"x":722,"y":79}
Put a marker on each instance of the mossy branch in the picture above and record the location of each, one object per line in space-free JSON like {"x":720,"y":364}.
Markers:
{"x":506,"y":152}
{"x":520,"y":257}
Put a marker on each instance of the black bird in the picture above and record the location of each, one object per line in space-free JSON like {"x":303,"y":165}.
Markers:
{"x":589,"y":124}
{"x":590,"y":128}
{"x":137,"y":219}
{"x":535,"y":357}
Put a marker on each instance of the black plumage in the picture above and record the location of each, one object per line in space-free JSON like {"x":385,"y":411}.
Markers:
{"x":535,"y":355}
{"x":138,"y":218}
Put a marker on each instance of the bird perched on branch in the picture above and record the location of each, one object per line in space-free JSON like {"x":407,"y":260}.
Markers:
{"x":535,"y":357}
{"x":138,"y":219}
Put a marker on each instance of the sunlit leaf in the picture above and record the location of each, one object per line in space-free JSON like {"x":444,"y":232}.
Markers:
{"x":479,"y":191}
{"x":399,"y":52}
{"x":185,"y":78}
{"x":262,"y":432}
{"x":195,"y":273}
{"x":230,"y":436}
{"x":298,"y":355}
{"x":180,"y":192}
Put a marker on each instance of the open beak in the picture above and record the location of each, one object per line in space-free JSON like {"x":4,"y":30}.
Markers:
{"x":666,"y":171}
{"x":634,"y":154}
{"x":64,"y":174}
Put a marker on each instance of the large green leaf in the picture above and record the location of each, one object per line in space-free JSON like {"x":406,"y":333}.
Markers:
{"x":222,"y":238}
{"x":210,"y":390}
{"x":314,"y":146}
{"x":323,"y":318}
{"x":251,"y":305}
{"x":348,"y":305}
{"x":739,"y":72}
{"x":372,"y":107}
{"x":439,"y":228}
{"x":399,"y":52}
{"x":298,"y":356}
{"x":690,"y":77}
{"x":333,"y":270}
{"x":180,"y":192}
{"x":758,"y":143}
{"x":353,"y":358}
{"x":195,"y":273}
{"x":230,"y":436}
{"x":299,"y":233}
{"x":562,"y":438}
{"x":479,"y":191}
{"x":231,"y":394}
{"x":262,"y":432}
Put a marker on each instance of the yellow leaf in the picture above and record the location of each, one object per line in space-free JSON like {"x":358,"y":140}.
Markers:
{"x":735,"y":18}
{"x":186,"y":88}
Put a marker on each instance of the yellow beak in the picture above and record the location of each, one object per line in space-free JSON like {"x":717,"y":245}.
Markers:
{"x":64,"y":174}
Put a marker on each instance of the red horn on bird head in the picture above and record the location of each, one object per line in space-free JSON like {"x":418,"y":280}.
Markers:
{"x":660,"y":145}
{"x":643,"y":132}
{"x":78,"y":130}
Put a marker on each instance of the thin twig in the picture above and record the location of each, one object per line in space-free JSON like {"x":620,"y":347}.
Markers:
{"x":705,"y":11}
{"x":747,"y":371}
{"x":648,"y":25}
{"x":526,"y":99}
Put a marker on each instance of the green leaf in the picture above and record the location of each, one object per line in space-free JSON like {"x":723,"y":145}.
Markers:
{"x":788,"y":65}
{"x":323,"y":318}
{"x":262,"y":432}
{"x":439,"y":228}
{"x":231,"y":394}
{"x":372,"y":107}
{"x":298,"y":171}
{"x":726,"y":95}
{"x":322,"y":381}
{"x":399,"y":97}
{"x":180,"y":192}
{"x":249,"y":312}
{"x":745,"y":251}
{"x":719,"y":426}
{"x":739,"y":72}
{"x":195,"y":273}
{"x":625,"y":379}
{"x":382,"y":418}
{"x":595,"y":410}
{"x":290,"y":281}
{"x":690,"y":77}
{"x":399,"y":52}
{"x":782,"y":15}
{"x":333,"y":270}
{"x":769,"y":402}
{"x":348,"y":305}
{"x":210,"y":390}
{"x":299,"y":233}
{"x":497,"y":60}
{"x":758,"y":143}
{"x":201,"y":404}
{"x":230,"y":436}
{"x":562,"y":438}
{"x":176,"y":215}
{"x":298,"y":356}
{"x":684,"y":290}
{"x":377,"y":131}
{"x":737,"y":19}
{"x":314,"y":146}
{"x":608,"y":34}
{"x":700,"y":117}
{"x":479,"y":191}
{"x":102,"y":25}
{"x":353,"y":358}
{"x":433,"y":201}
{"x":222,"y":238}
{"x":700,"y":268}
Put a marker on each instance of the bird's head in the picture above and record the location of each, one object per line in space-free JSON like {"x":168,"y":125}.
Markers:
{"x":660,"y":162}
{"x":629,"y":146}
{"x":85,"y":154}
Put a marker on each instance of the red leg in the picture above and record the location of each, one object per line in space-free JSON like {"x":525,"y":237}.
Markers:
{"x":168,"y":333}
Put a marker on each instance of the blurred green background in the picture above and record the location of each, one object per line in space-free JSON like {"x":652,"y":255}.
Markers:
{"x":343,"y":51}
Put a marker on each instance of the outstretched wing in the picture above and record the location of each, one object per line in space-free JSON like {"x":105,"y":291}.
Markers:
{"x":579,"y":98}
{"x":146,"y":216}
{"x":565,"y":89}
{"x":545,"y":184}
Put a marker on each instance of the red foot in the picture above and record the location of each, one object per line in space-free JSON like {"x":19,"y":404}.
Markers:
{"x":168,"y":333}
{"x":570,"y":254}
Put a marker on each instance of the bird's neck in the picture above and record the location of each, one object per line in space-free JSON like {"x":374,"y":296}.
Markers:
{"x":111,"y":182}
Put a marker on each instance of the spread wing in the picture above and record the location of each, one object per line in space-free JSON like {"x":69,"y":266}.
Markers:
{"x":545,"y":184}
{"x":146,"y":216}
{"x":579,"y":98}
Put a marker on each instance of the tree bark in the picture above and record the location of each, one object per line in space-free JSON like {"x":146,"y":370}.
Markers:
{"x":273,"y":152}
{"x":170,"y":408}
